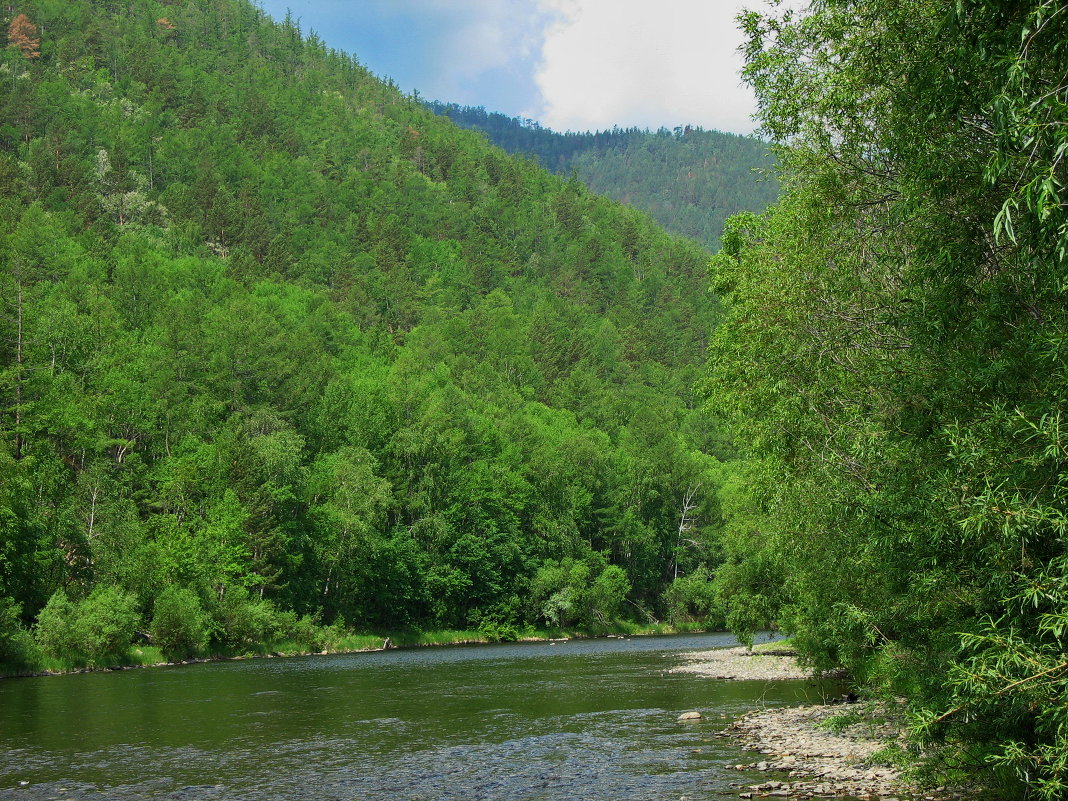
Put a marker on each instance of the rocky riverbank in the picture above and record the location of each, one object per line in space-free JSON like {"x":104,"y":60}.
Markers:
{"x":822,"y":751}
{"x":762,"y":664}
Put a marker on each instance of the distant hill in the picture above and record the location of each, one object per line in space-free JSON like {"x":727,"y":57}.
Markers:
{"x":689,"y":179}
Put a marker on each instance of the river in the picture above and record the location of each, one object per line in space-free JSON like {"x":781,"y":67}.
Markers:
{"x":586,"y":719}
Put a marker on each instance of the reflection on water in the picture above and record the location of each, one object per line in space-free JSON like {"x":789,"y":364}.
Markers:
{"x":590,"y":719}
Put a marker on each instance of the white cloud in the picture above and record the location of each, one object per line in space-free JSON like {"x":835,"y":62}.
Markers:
{"x":637,"y":62}
{"x":467,"y":41}
{"x":488,"y":34}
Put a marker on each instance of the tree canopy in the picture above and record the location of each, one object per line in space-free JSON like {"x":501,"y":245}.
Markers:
{"x":892,"y":359}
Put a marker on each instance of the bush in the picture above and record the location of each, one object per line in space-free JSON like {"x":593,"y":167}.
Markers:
{"x":499,"y":623}
{"x":55,"y":627}
{"x":17,"y":648}
{"x":495,"y":629}
{"x":106,"y":622}
{"x":605,"y":597}
{"x":306,"y":632}
{"x":179,"y":624}
{"x":579,"y":592}
{"x":693,"y":598}
{"x":95,"y":631}
{"x":238,"y":621}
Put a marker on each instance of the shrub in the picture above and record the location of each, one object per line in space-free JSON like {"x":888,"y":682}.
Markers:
{"x":303,"y":631}
{"x":238,"y":621}
{"x":179,"y":624}
{"x":605,"y":597}
{"x":95,"y":631}
{"x":17,"y":648}
{"x":583,"y":592}
{"x":105,"y":624}
{"x":55,"y":627}
{"x":693,"y":598}
{"x":494,"y":629}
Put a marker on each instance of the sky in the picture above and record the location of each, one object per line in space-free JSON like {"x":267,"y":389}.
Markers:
{"x":568,"y":64}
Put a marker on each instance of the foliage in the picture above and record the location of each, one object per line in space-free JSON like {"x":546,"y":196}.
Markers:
{"x":95,"y":631}
{"x":840,"y":722}
{"x":493,"y":629}
{"x":239,"y":621}
{"x":694,"y":598}
{"x":892,"y":359}
{"x":22,"y":34}
{"x":54,"y":631}
{"x":305,"y":631}
{"x":17,"y":648}
{"x":179,"y":624}
{"x":572,"y":592}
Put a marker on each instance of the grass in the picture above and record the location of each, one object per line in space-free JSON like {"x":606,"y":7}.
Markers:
{"x":413,"y":638}
{"x":359,"y":642}
{"x":893,"y":755}
{"x":777,"y":646}
{"x":146,"y":655}
{"x":137,"y":656}
{"x":416,"y":637}
{"x":840,"y":722}
{"x":870,"y":713}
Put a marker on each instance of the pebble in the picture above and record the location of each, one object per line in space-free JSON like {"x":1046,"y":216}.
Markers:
{"x":818,"y":761}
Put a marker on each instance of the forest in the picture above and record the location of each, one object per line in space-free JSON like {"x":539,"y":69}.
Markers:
{"x":285,"y":354}
{"x":688,"y":179}
{"x":282,"y":351}
{"x":892,"y":363}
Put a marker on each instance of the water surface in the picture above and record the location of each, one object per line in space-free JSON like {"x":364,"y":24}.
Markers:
{"x":593,"y":719}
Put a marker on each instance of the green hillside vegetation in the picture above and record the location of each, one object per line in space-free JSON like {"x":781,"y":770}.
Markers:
{"x":690,"y":180}
{"x":281,"y":349}
{"x":893,"y":357}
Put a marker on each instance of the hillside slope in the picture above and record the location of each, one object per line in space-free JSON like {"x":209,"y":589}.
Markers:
{"x":271,"y":330}
{"x":690,"y":180}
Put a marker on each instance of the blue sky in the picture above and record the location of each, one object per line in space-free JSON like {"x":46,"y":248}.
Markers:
{"x":570,"y":64}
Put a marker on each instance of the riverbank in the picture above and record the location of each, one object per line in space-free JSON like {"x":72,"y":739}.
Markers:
{"x":826,"y":750}
{"x":148,"y":656}
{"x":823,"y":750}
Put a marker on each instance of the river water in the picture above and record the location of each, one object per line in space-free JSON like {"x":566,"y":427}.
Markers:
{"x":587,"y":719}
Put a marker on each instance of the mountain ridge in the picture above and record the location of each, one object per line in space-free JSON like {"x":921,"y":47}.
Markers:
{"x":688,"y":179}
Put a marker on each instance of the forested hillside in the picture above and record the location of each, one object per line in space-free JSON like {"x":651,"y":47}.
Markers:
{"x":689,"y":179}
{"x":275,"y":341}
{"x":893,"y":359}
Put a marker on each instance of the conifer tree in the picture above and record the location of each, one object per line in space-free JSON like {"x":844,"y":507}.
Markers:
{"x":22,"y":33}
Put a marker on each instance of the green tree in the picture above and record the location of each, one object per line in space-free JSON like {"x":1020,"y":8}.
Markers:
{"x":18,"y":651}
{"x":586,"y":592}
{"x":179,"y":624}
{"x":275,"y":333}
{"x":95,"y":631}
{"x":888,"y":362}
